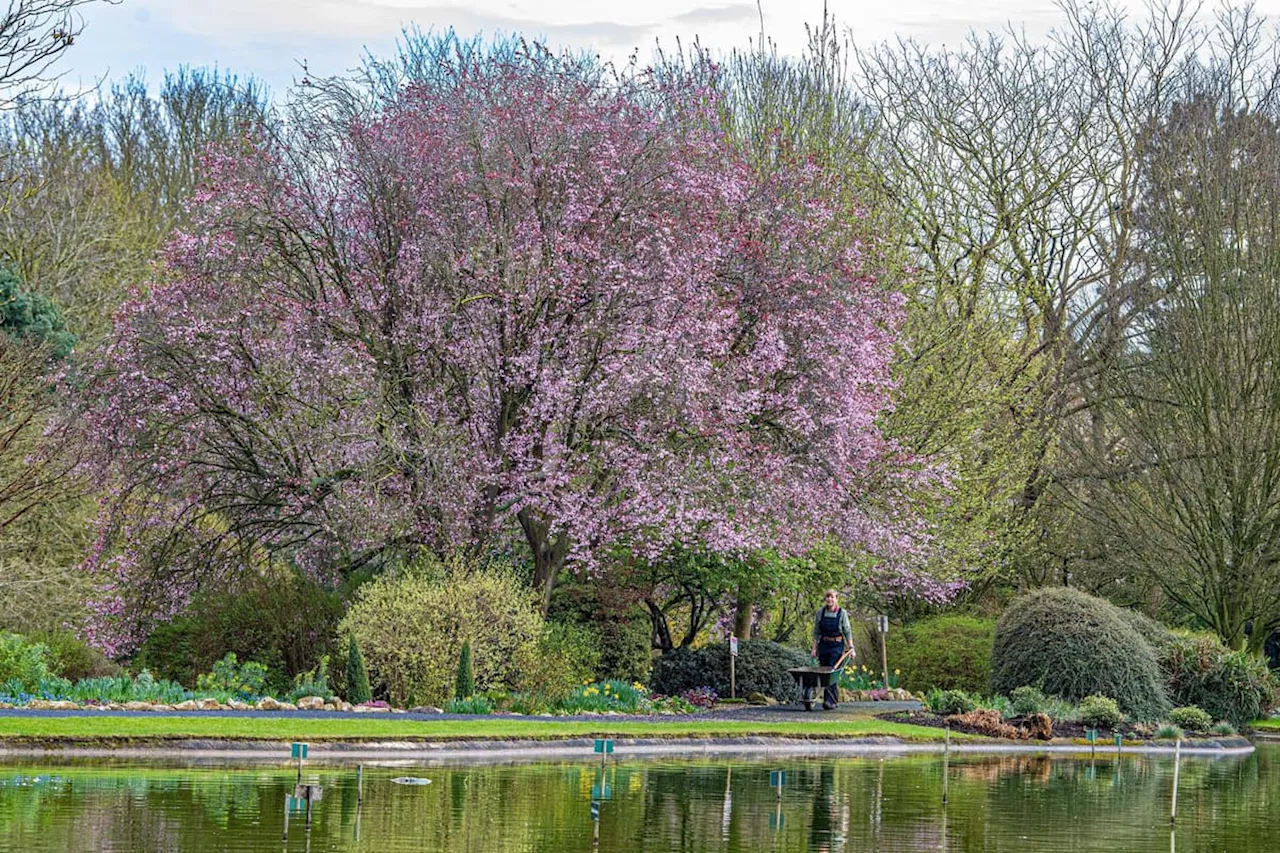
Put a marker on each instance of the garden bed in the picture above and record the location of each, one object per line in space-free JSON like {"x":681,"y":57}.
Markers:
{"x":1070,"y":729}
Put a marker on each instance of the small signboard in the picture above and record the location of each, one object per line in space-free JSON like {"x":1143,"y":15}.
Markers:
{"x":296,"y":804}
{"x":777,"y":778}
{"x":298,"y":750}
{"x":733,"y":646}
{"x":595,"y":810}
{"x":1091,"y":735}
{"x":776,"y":820}
{"x":1119,"y":741}
{"x":882,"y":623}
{"x":602,"y":791}
{"x":604,"y":746}
{"x":301,"y":792}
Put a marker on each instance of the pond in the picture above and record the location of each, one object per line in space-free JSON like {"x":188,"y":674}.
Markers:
{"x":995,"y":803}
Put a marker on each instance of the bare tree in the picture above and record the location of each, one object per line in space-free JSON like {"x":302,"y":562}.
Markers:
{"x":33,"y":36}
{"x":1189,"y":485}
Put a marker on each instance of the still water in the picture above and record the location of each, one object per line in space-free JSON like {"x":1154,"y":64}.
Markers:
{"x":995,"y":803}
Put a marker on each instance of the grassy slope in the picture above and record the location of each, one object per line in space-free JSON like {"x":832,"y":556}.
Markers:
{"x":93,"y":728}
{"x":1272,"y":723}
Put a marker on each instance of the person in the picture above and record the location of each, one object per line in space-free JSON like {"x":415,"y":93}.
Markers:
{"x":831,"y":636}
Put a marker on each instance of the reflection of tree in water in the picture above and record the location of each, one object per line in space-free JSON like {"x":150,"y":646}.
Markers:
{"x":1010,"y":803}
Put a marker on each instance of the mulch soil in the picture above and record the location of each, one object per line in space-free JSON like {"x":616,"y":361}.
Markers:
{"x":1063,"y":729}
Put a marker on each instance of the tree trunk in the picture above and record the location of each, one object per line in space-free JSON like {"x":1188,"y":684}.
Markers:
{"x":549,"y":554}
{"x":742,"y":617}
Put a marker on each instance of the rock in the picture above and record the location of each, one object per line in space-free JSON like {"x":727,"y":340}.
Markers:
{"x":237,"y":705}
{"x":269,"y":704}
{"x":52,"y":705}
{"x":189,"y":705}
{"x":311,"y":703}
{"x":5,"y":706}
{"x":207,"y":704}
{"x":329,"y":706}
{"x":160,"y":707}
{"x":138,"y":706}
{"x":431,"y":709}
{"x":757,"y":698}
{"x":344,"y":706}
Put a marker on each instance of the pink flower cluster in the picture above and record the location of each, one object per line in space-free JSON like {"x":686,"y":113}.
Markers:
{"x":523,"y":298}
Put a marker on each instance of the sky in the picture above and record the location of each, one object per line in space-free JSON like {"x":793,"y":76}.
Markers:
{"x":269,"y":39}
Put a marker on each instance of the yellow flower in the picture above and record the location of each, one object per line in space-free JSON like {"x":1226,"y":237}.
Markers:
{"x":897,"y":672}
{"x":637,"y":686}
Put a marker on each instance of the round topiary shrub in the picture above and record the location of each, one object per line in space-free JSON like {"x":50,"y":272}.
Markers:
{"x":761,"y":668}
{"x":1074,"y":645}
{"x":1191,"y":718}
{"x":1100,"y":712}
{"x":947,"y":652}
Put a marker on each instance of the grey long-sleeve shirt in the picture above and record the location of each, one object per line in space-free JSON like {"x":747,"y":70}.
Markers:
{"x":845,"y":630}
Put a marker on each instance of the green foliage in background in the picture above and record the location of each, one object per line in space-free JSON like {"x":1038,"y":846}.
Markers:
{"x":944,"y":651}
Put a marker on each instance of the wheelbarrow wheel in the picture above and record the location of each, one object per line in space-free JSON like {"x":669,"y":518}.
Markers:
{"x":809,"y":693}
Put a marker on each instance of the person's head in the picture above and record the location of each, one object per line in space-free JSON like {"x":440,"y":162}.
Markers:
{"x":831,"y":598}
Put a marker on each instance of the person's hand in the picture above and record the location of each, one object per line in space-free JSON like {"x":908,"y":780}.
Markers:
{"x":814,"y":651}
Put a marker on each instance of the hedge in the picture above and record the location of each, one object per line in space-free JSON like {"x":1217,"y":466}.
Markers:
{"x":947,"y":652}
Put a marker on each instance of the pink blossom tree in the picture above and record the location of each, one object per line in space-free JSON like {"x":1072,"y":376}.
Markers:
{"x":523,"y":296}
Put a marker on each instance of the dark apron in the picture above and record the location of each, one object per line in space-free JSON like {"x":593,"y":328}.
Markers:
{"x":829,"y":651}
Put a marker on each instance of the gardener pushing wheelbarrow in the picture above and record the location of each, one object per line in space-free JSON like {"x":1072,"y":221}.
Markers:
{"x":832,"y":644}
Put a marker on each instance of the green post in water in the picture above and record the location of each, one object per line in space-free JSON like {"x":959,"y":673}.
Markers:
{"x":357,"y":677}
{"x":465,"y":685}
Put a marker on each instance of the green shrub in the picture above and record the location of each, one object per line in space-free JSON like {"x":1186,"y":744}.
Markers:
{"x":357,"y":677}
{"x":761,"y":668}
{"x":1168,"y":731}
{"x":948,"y":652}
{"x":1100,"y":712}
{"x":229,"y":676}
{"x":282,"y":620}
{"x":1191,"y":718}
{"x":1235,"y":686}
{"x":948,"y":702}
{"x":22,"y":663}
{"x":1075,"y":645}
{"x":1224,"y":728}
{"x":312,"y":683}
{"x":410,"y":627}
{"x":1157,"y":635}
{"x":72,"y":658}
{"x":619,"y":628}
{"x":469,"y":705}
{"x":568,"y":655}
{"x":464,"y":684}
{"x":1027,"y":700}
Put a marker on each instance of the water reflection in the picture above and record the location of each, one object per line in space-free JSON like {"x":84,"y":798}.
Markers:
{"x":1004,"y":803}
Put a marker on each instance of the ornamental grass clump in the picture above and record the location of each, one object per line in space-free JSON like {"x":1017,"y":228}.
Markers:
{"x":1236,"y":686}
{"x":1075,"y":645}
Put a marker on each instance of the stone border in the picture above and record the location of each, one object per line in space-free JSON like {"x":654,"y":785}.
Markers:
{"x":417,"y":751}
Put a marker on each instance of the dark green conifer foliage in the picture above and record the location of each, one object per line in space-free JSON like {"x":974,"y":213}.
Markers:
{"x":357,"y":678}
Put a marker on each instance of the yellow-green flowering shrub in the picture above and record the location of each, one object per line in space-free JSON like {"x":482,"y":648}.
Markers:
{"x":411,"y":625}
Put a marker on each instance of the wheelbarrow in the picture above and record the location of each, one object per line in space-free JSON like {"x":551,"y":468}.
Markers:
{"x":813,"y":679}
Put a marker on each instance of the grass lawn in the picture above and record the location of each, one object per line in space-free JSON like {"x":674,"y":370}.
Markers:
{"x":99,"y":729}
{"x":1272,"y":723}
